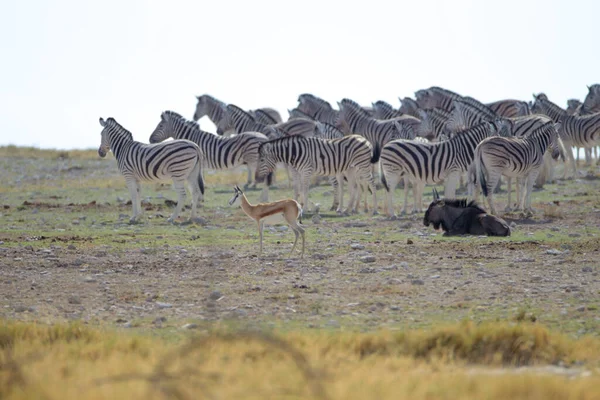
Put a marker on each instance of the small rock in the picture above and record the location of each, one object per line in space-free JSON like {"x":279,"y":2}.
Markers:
{"x":368,"y":259}
{"x":216,"y":295}
{"x":357,"y":246}
{"x":75,"y":222}
{"x":536,"y":278}
{"x":71,"y":247}
{"x":316,"y":219}
{"x":163,"y":305}
{"x":368,"y":270}
{"x":554,"y":252}
{"x":555,"y":229}
{"x":434,"y":277}
{"x":120,"y":321}
{"x":89,"y":279}
{"x":74,"y":300}
{"x":449,"y":292}
{"x":189,"y":326}
{"x":581,"y":308}
{"x":513,"y":225}
{"x":333,"y":323}
{"x":574,"y":235}
{"x":587,"y":269}
{"x":409,"y":241}
{"x":20,"y":309}
{"x":417,"y":282}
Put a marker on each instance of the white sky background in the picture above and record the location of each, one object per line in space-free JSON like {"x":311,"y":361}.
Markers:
{"x":66,"y":63}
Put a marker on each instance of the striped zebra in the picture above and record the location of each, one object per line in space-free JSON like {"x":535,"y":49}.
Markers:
{"x":575,"y":131}
{"x":509,"y":108}
{"x":354,"y":120}
{"x":591,"y":103}
{"x":180,"y":160}
{"x":514,"y":157}
{"x":219,"y":152}
{"x":317,"y":108}
{"x":433,"y":124}
{"x":574,"y":106}
{"x":352,"y":155}
{"x":267,"y":114}
{"x":436,"y":97}
{"x":383,"y":110}
{"x":297,"y":113}
{"x":429,"y":163}
{"x":409,"y":106}
{"x":240,"y":121}
{"x":214,"y":109}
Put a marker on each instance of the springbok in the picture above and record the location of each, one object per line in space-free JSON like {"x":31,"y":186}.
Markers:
{"x":289,"y":208}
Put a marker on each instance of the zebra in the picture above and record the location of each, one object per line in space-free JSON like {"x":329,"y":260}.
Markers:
{"x":509,"y":108}
{"x":514,"y":157}
{"x":383,"y":110}
{"x":436,"y":97}
{"x":409,"y":106}
{"x":433,"y":124}
{"x":214,"y":109}
{"x":574,"y":106}
{"x":241,"y":121}
{"x":317,"y":108}
{"x":429,"y":163}
{"x":180,"y":160}
{"x":268,"y":114}
{"x":467,"y":113}
{"x":219,"y":152}
{"x":297,"y":113}
{"x":591,"y":103}
{"x":354,"y":120}
{"x":575,"y":131}
{"x":352,"y":155}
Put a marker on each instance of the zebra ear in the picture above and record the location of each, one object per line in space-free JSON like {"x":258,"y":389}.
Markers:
{"x":102,"y":122}
{"x":557,"y":126}
{"x":164,"y":116}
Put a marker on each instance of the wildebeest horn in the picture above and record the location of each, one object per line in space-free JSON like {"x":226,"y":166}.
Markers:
{"x":436,"y":195}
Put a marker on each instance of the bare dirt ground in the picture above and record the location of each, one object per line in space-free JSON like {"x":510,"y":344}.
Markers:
{"x":66,"y":252}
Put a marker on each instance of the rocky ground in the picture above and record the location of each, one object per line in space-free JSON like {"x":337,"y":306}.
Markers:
{"x":83,"y":261}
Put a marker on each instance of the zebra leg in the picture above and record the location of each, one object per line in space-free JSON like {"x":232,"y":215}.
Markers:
{"x":418,"y":188}
{"x":136,"y":199}
{"x":588,"y":156}
{"x":180,"y":189}
{"x":509,"y":190}
{"x":334,"y":184}
{"x":405,"y":206}
{"x":392,"y":181}
{"x":529,"y":181}
{"x":305,"y":187}
{"x":450,"y":185}
{"x":340,"y":193}
{"x":367,"y":176}
{"x":492,"y":181}
{"x":261,"y":226}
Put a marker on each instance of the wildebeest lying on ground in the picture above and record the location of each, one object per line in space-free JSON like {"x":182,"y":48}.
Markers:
{"x":459,"y":217}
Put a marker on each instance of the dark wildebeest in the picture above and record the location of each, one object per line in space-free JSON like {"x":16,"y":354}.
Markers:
{"x":459,"y":217}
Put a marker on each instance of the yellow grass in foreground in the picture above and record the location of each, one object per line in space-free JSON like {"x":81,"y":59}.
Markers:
{"x":464,"y":361}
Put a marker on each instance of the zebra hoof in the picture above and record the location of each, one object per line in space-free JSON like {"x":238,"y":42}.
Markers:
{"x":134,"y":220}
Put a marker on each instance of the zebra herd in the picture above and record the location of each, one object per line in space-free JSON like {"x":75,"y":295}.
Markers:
{"x":438,"y":137}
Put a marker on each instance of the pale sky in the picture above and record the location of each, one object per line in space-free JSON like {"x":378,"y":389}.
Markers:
{"x":66,"y":63}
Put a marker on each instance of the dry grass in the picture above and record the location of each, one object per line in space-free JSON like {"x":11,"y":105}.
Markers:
{"x":456,"y":362}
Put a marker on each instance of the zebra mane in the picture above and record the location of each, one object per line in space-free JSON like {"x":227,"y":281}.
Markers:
{"x":470,"y":102}
{"x":264,"y":117}
{"x":188,"y":123}
{"x":461,"y":203}
{"x":211,"y":98}
{"x":314,"y":99}
{"x":355,"y":107}
{"x":239,"y":112}
{"x":543,"y":99}
{"x":297,"y":113}
{"x":119,"y":128}
{"x":444,"y":92}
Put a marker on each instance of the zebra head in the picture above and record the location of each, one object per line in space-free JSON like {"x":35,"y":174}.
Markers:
{"x":591,"y":103}
{"x":104,"y":142}
{"x":266,"y":162}
{"x":574,"y":106}
{"x":165,"y":128}
{"x":113,"y":136}
{"x":201,"y":107}
{"x":237,"y":193}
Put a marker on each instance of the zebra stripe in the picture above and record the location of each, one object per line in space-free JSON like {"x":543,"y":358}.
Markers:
{"x":430,"y":163}
{"x":219,"y":152}
{"x":409,"y":106}
{"x":354,"y":120}
{"x":383,"y":110}
{"x":317,"y":108}
{"x":180,"y":160}
{"x":433,"y":124}
{"x":575,"y":131}
{"x":591,"y":103}
{"x":213,"y":108}
{"x":436,"y":97}
{"x":309,"y":156}
{"x":509,"y":108}
{"x":241,"y":121}
{"x":574,"y":106}
{"x":515,"y":158}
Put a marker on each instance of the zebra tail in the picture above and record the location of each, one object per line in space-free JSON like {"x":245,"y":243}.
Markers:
{"x":376,"y":153}
{"x":200,"y":177}
{"x":481,"y":171}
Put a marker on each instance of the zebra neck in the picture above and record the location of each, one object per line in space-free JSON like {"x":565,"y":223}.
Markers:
{"x":554,"y":111}
{"x":215,"y":111}
{"x":119,"y":145}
